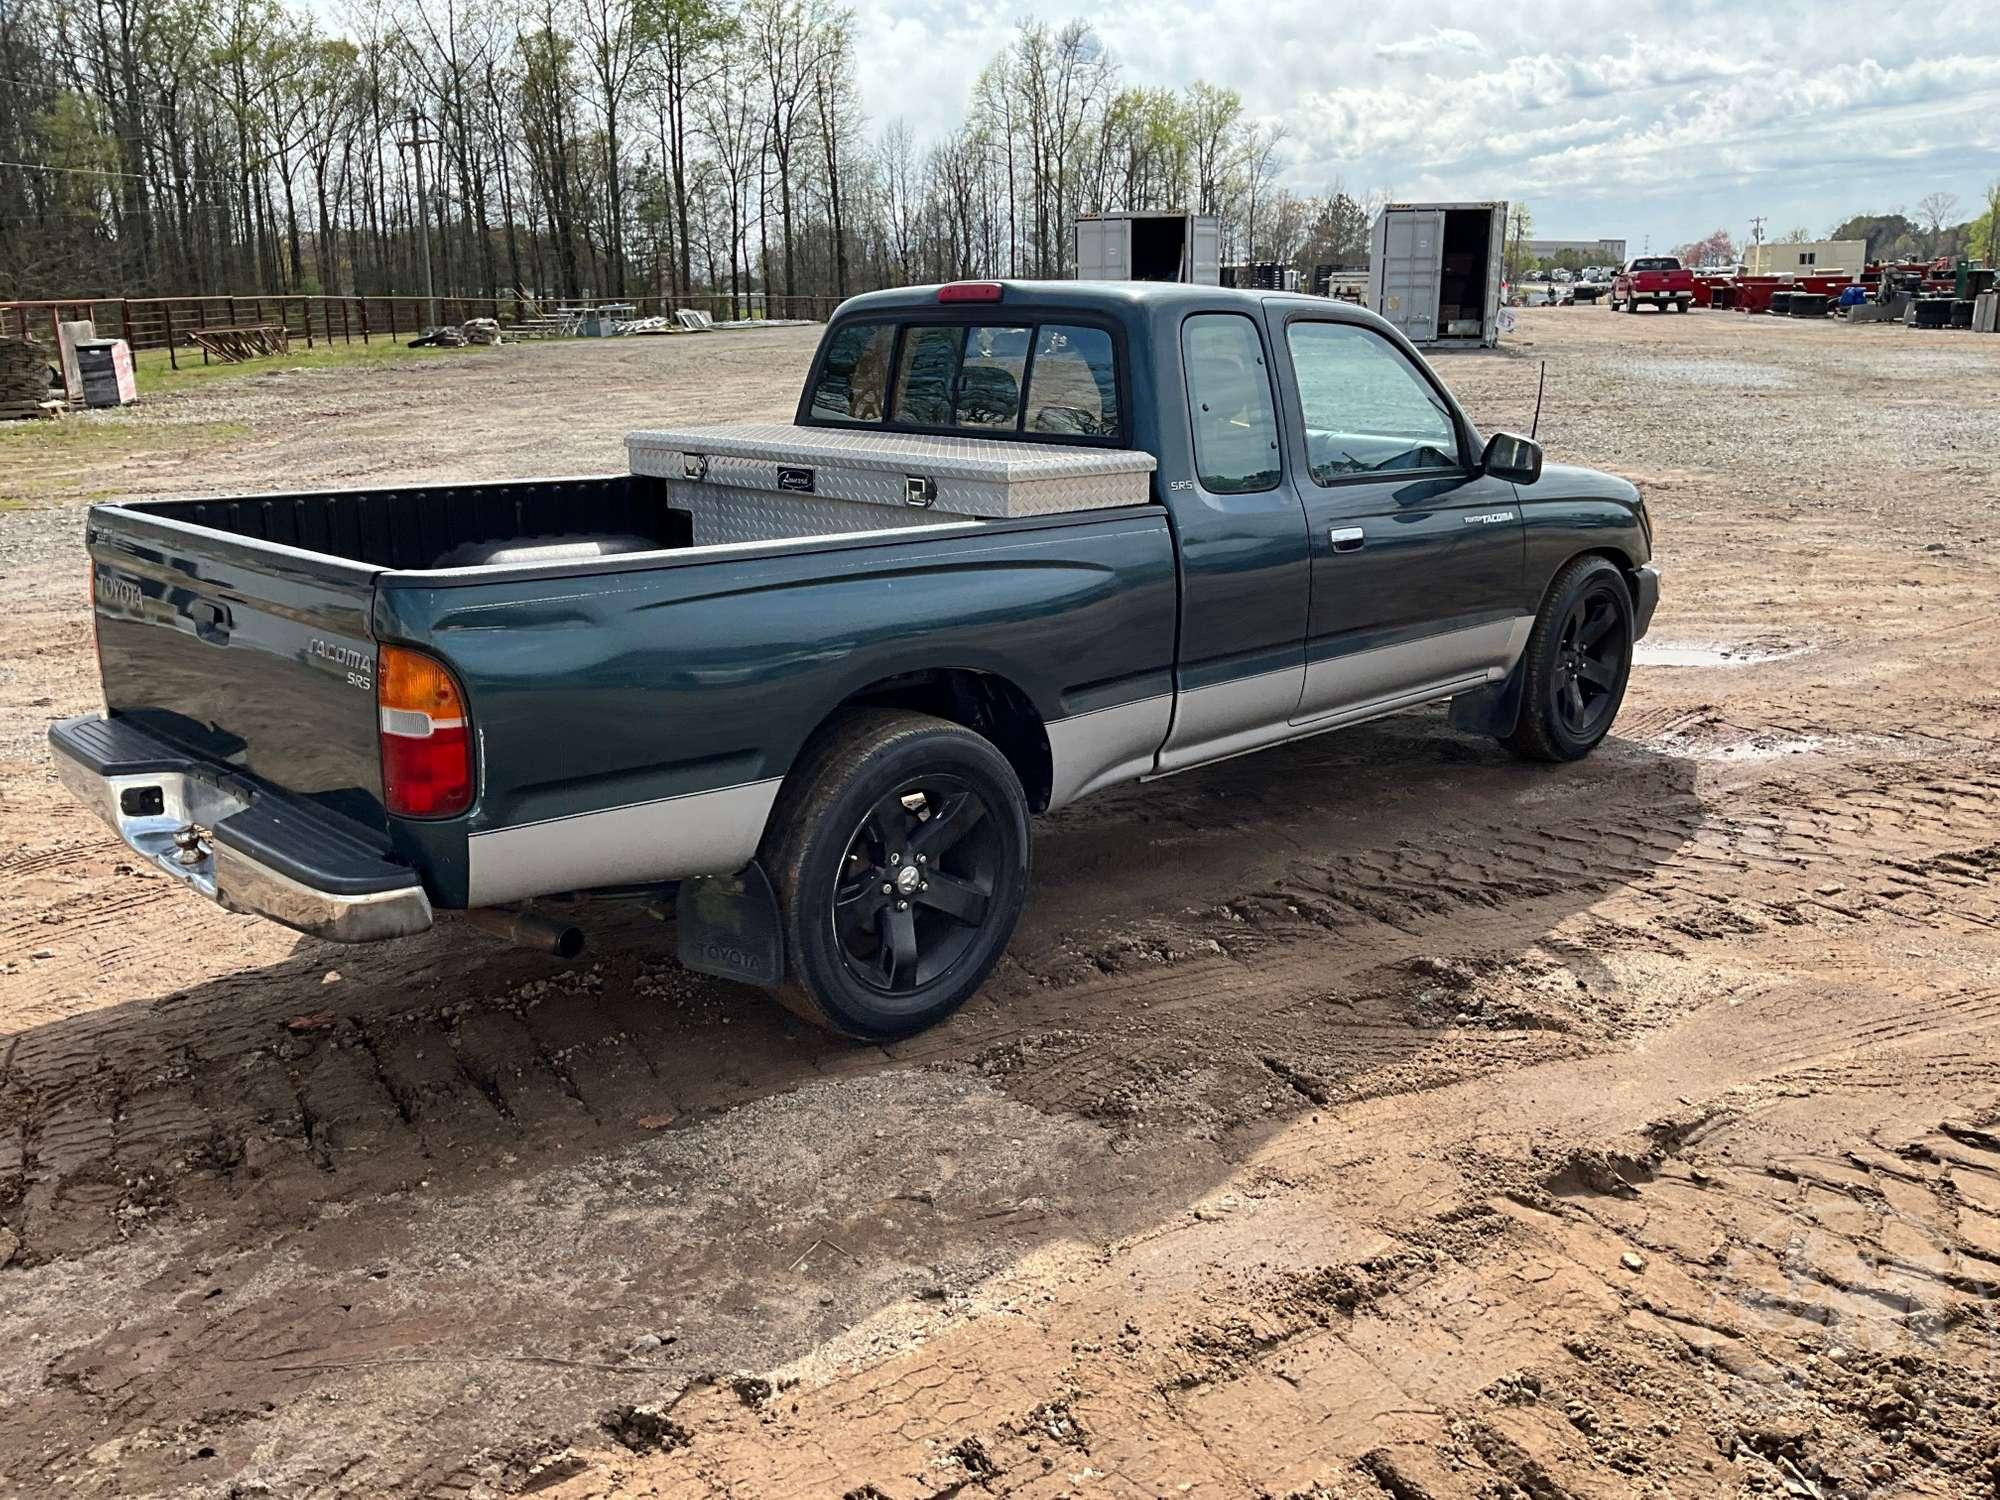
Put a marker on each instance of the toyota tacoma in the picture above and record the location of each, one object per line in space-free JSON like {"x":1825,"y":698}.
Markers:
{"x":1021,"y":542}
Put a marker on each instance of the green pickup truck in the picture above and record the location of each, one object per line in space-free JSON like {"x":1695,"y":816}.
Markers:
{"x":1023,"y":541}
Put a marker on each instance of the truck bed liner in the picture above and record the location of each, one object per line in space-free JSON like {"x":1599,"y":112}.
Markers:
{"x":416,"y":526}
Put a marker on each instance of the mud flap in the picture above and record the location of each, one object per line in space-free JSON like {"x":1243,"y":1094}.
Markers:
{"x":729,"y":927}
{"x":1494,"y":709}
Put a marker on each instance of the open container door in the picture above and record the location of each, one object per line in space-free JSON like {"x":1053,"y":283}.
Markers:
{"x":1496,"y":270}
{"x":1205,"y":251}
{"x":1409,"y":247}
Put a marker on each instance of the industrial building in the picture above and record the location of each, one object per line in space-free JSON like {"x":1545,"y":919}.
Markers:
{"x":1810,"y":257}
{"x":1594,"y":252}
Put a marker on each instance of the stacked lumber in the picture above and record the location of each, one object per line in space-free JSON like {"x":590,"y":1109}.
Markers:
{"x":252,"y":341}
{"x":24,"y":381}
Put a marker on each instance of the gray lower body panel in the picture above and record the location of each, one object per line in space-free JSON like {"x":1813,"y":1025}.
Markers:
{"x":1089,"y":752}
{"x":704,"y":833}
{"x":1228,"y":718}
{"x":1447,"y":662}
{"x":1233,"y":718}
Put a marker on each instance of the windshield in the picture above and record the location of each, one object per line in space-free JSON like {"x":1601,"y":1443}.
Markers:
{"x":1656,"y":263}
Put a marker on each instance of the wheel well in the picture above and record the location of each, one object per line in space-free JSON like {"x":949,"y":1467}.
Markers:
{"x":984,"y":703}
{"x":1626,"y":567}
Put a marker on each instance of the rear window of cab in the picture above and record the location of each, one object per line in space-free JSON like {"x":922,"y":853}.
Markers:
{"x":1032,"y":378}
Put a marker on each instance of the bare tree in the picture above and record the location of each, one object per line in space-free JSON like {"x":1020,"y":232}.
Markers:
{"x":612,"y":51}
{"x":1934,"y":210}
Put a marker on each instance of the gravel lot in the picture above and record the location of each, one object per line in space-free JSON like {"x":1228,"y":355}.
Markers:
{"x":1373,"y":1116}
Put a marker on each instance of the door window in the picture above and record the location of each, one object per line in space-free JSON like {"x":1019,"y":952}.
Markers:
{"x":1229,"y":404}
{"x":1367,"y":409}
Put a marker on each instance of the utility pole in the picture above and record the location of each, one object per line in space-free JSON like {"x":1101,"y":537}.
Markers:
{"x":416,"y":142}
{"x":1757,"y":244}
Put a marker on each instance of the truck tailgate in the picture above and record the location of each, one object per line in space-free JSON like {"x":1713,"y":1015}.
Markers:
{"x":242,"y":652}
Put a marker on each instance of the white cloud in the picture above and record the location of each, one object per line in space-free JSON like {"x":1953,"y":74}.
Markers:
{"x":1451,"y":40}
{"x":1620,"y":117}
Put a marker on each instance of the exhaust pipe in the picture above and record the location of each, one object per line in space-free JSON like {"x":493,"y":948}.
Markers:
{"x":527,"y":929}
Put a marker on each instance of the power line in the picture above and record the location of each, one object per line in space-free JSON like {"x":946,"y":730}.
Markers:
{"x":152,"y":102}
{"x":156,"y":180}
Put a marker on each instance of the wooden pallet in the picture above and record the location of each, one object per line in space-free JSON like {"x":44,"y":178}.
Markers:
{"x":28,"y":411}
{"x":251,"y":341}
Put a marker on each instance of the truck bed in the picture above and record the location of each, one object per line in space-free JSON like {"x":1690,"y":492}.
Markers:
{"x":621,"y":735}
{"x":452,"y":525}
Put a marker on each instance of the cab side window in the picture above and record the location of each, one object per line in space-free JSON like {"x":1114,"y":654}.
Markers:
{"x":1230,"y":407}
{"x":1367,"y":409}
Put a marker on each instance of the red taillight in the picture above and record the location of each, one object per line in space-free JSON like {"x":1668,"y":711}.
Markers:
{"x":426,"y":743}
{"x":970,"y":291}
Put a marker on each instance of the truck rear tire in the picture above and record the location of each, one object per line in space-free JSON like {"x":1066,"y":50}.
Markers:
{"x":1578,"y":660}
{"x":899,"y":851}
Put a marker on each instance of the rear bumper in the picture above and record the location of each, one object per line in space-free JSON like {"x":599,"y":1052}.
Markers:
{"x":238,"y":843}
{"x":1645,"y":599}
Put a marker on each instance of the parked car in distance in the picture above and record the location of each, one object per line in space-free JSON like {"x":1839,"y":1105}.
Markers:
{"x":1023,"y":541}
{"x":1659,"y":281}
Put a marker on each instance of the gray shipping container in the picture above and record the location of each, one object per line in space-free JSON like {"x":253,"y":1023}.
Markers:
{"x":1149,"y":247}
{"x":1435,"y":271}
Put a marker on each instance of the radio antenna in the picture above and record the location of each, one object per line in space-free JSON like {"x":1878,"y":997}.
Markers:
{"x":1539,"y":384}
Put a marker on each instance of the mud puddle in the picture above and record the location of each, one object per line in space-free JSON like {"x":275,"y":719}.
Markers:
{"x":1712,"y":653}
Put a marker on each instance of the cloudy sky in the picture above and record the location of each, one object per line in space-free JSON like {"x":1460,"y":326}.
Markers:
{"x":1644,"y":118}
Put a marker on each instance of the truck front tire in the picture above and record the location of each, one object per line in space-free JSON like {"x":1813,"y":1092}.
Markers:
{"x":1578,"y":660}
{"x":899,"y":851}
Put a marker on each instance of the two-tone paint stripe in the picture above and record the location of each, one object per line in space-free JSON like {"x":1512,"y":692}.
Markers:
{"x":716,"y":831}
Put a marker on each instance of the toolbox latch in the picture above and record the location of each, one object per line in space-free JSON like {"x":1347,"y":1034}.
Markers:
{"x":694,"y":466}
{"x":919,"y":490}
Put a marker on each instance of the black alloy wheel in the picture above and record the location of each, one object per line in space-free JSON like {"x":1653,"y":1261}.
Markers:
{"x":1590,"y":664}
{"x":1577,"y":663}
{"x":899,"y":853}
{"x":916,"y":884}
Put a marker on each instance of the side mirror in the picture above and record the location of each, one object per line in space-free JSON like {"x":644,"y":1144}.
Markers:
{"x":1512,"y":457}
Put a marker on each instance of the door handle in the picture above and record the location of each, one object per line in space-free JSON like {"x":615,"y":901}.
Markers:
{"x":1347,"y":538}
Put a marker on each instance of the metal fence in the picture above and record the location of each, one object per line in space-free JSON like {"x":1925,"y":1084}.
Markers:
{"x":170,"y":323}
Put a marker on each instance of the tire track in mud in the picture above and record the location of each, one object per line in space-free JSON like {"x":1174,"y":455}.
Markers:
{"x":1118,"y":1020}
{"x":1818,"y":1318}
{"x":382,"y":1089}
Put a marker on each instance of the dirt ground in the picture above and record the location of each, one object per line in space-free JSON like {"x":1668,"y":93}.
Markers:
{"x":1374,"y":1116}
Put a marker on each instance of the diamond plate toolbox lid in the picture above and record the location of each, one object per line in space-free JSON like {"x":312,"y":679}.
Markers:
{"x":967,"y":476}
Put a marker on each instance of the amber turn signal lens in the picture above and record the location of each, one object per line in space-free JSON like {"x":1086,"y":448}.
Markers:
{"x":416,"y":683}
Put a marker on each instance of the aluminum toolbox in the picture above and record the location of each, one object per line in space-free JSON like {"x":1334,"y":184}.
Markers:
{"x":761,"y":482}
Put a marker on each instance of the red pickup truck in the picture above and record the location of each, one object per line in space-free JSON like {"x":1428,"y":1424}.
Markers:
{"x":1659,"y":279}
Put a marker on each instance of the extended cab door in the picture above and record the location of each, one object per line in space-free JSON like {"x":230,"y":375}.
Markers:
{"x":1241,"y":534}
{"x":1417,"y":558}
